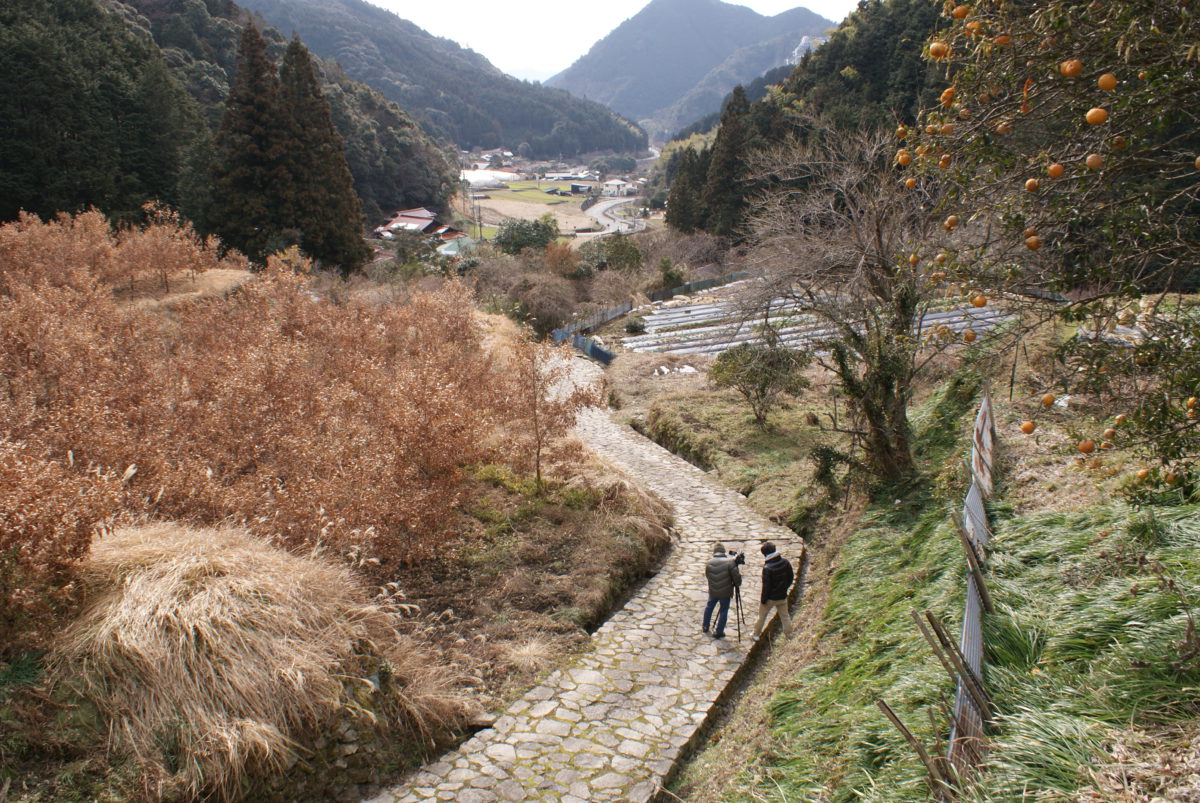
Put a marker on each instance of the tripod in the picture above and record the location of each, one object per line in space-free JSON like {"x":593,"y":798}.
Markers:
{"x":737,"y":597}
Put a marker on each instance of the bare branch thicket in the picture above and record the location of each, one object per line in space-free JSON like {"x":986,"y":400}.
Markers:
{"x":835,"y":238}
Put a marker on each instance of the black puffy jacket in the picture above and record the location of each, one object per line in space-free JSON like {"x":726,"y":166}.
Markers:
{"x":776,"y":579}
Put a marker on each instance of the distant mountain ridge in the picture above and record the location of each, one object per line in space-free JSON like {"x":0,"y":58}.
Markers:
{"x":454,"y":92}
{"x":675,"y":60}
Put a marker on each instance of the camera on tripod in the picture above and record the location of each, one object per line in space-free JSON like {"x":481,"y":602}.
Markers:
{"x":739,"y":558}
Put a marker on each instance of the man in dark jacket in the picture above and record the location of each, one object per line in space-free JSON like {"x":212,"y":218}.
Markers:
{"x":723,"y":577}
{"x":777,"y":578}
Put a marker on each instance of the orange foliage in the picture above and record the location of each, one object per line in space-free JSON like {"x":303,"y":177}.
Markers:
{"x":80,"y":250}
{"x":340,"y":425}
{"x":47,"y":516}
{"x":543,"y":399}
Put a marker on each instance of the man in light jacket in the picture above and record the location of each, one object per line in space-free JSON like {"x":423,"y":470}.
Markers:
{"x":777,"y":576}
{"x":723,"y":577}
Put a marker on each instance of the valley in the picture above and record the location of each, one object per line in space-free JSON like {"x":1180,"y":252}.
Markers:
{"x":378,"y":426}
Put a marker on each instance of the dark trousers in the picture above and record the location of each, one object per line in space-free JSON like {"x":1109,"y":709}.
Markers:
{"x":722,"y":614}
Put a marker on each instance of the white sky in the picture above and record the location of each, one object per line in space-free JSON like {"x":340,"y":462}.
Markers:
{"x":535,"y":39}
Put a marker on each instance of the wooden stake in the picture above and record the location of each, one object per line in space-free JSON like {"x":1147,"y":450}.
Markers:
{"x":933,"y":645}
{"x":941,"y":783}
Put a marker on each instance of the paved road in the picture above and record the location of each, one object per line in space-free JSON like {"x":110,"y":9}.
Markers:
{"x":613,"y":725}
{"x":604,"y":213}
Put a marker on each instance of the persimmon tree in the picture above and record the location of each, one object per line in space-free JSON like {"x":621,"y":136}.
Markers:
{"x":1067,"y":144}
{"x":841,"y":245}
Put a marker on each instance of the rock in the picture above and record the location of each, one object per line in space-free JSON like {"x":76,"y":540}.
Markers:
{"x":482,"y":720}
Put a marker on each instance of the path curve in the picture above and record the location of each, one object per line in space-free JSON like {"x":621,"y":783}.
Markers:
{"x":613,"y":725}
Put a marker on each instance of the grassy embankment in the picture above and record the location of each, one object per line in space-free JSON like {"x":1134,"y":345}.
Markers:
{"x":1091,"y":649}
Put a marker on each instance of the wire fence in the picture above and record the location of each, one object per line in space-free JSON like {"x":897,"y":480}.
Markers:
{"x":562,"y":334}
{"x":966,"y":747}
{"x":963,"y":661}
{"x":696,"y":287}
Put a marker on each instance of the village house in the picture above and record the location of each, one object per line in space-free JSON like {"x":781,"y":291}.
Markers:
{"x":423,"y":221}
{"x":618,"y":188}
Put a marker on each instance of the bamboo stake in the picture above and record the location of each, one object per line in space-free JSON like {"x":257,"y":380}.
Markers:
{"x":941,"y":782}
{"x":970,"y":682}
{"x":973,"y":563}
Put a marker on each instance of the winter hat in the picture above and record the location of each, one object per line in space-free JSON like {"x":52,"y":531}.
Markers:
{"x":718,"y":548}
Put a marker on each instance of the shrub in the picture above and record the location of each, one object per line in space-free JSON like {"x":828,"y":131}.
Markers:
{"x":670,"y":275}
{"x":48,"y":515}
{"x":75,"y":251}
{"x":344,"y":424}
{"x":545,"y":300}
{"x":213,"y":655}
{"x":761,"y":373}
{"x":516,"y":235}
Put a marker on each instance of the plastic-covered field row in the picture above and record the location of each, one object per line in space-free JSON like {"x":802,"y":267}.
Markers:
{"x":715,"y":339}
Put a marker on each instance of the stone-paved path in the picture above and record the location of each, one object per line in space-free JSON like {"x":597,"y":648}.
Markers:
{"x":613,"y":725}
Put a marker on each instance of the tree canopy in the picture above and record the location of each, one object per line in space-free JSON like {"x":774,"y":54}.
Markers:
{"x":517,"y":234}
{"x":89,"y":114}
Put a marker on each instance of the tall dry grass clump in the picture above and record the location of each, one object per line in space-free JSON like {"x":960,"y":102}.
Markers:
{"x":213,"y":655}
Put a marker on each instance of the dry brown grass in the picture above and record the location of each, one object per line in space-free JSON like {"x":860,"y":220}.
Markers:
{"x":194,"y":287}
{"x":500,"y":334}
{"x":568,"y":216}
{"x":1149,"y":767}
{"x":635,"y":385}
{"x":213,"y":654}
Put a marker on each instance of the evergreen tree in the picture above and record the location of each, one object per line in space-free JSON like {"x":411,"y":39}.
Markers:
{"x":250,"y":169}
{"x":684,"y":211}
{"x":89,"y":115}
{"x":723,"y":196}
{"x":319,"y":201}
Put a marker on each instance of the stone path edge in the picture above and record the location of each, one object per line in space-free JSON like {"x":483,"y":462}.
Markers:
{"x":735,"y":685}
{"x":623,"y":719}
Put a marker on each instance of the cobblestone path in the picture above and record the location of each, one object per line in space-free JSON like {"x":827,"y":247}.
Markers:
{"x":613,"y":725}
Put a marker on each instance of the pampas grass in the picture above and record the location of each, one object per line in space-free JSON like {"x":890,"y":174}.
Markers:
{"x":213,"y":654}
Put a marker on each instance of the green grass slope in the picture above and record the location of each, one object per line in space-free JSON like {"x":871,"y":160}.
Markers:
{"x":1093,"y":634}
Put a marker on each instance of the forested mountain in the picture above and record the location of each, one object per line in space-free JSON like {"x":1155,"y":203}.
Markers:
{"x":755,"y":90}
{"x":870,"y":73}
{"x":652,"y":60}
{"x":89,"y":113}
{"x":455,"y":93}
{"x":393,"y":162}
{"x":93,"y":113}
{"x":750,"y":63}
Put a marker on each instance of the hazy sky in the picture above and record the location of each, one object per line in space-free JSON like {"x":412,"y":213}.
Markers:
{"x":536,"y":39}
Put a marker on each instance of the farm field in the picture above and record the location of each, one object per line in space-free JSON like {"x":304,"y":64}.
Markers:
{"x":525,"y":205}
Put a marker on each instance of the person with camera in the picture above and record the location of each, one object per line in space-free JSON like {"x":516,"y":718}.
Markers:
{"x":777,"y":576}
{"x":723,"y":578}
